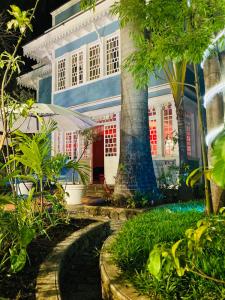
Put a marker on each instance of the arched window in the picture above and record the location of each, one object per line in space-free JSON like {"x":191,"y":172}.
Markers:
{"x":152,"y":130}
{"x":168,"y":129}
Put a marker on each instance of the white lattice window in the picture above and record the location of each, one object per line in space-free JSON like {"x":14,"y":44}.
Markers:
{"x":61,"y":74}
{"x":168,"y":130}
{"x":77,"y":64}
{"x":110,"y":140}
{"x":71,"y":144}
{"x":153,"y":130}
{"x":94,"y":62}
{"x":112,"y":55}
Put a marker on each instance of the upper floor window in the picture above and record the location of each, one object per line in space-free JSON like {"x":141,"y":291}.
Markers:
{"x":89,"y":62}
{"x":77,"y":65}
{"x":61,"y":74}
{"x":112,"y":55}
{"x":94,"y":62}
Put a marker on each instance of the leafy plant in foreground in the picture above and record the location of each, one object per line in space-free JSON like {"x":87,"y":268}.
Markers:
{"x":216,"y":172}
{"x":198,"y":256}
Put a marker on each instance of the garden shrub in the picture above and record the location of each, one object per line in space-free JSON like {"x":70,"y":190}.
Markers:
{"x":139,"y":235}
{"x":195,"y":262}
{"x":166,"y":226}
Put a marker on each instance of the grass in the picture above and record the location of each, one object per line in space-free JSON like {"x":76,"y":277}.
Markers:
{"x":138,"y":236}
{"x":166,"y":224}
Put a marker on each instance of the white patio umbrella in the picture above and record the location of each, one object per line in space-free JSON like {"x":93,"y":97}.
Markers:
{"x":66,"y":119}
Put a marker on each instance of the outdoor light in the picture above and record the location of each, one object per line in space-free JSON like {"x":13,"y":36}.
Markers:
{"x":218,"y":88}
{"x":213,"y":134}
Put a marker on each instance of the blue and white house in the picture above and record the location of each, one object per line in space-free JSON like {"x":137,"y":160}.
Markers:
{"x":78,"y":67}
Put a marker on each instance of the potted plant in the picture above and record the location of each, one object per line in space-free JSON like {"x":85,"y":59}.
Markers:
{"x":79,"y":177}
{"x":80,"y":171}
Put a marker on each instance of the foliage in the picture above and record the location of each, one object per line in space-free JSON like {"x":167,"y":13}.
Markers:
{"x":198,"y":255}
{"x":142,"y":200}
{"x":216,"y":172}
{"x":17,"y":231}
{"x":175,"y":31}
{"x":176,"y":73}
{"x":139,"y":235}
{"x":25,"y":158}
{"x":171,"y":178}
{"x":6,"y":37}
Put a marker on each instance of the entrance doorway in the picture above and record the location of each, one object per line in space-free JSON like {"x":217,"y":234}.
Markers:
{"x":98,"y":156}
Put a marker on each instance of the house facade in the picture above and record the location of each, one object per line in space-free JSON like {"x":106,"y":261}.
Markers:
{"x":78,"y":67}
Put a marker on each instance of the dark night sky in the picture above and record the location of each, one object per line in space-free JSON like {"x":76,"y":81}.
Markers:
{"x":43,"y":18}
{"x":41,"y":22}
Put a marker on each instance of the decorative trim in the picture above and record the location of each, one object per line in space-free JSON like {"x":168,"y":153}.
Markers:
{"x":75,"y":26}
{"x":30,"y":80}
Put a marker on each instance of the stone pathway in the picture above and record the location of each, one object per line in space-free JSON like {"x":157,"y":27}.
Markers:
{"x":83,"y":280}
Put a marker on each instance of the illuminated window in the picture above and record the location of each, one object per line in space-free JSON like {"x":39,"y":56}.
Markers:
{"x":112,"y":55}
{"x":188,"y":129}
{"x":61,"y":74}
{"x":94,"y":62}
{"x":168,"y":130}
{"x":77,"y":68}
{"x":110,"y":140}
{"x":153,"y":130}
{"x":71,"y":144}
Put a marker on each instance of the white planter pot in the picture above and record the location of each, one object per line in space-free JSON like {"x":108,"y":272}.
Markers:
{"x":23,"y":188}
{"x":75,"y":193}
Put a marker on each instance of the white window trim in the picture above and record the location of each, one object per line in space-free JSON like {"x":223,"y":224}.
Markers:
{"x":100,"y":43}
{"x":114,"y":34}
{"x":86,"y":83}
{"x":56,"y":72}
{"x":77,"y":51}
{"x":86,"y":64}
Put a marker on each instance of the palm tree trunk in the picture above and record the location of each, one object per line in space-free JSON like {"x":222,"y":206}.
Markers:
{"x":182,"y":142}
{"x":135,"y":172}
{"x":215,"y":117}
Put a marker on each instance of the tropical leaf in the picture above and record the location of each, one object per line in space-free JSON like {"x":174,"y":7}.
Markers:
{"x":194,"y":177}
{"x":17,"y":260}
{"x":180,"y":270}
{"x":154,"y":263}
{"x":26,"y":236}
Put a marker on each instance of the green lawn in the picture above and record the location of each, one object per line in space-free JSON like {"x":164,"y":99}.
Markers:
{"x":166,"y":224}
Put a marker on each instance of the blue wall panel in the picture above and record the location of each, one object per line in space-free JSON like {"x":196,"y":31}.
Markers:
{"x":74,"y":9}
{"x":89,"y":38}
{"x":104,"y":88}
{"x":45,"y":90}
